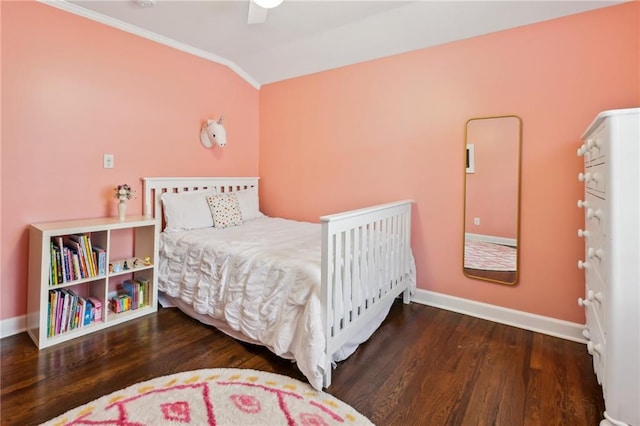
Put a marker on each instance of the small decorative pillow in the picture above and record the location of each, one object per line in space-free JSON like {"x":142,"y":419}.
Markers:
{"x":225,"y":210}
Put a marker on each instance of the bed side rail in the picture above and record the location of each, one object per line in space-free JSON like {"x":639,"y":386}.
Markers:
{"x":366,"y":257}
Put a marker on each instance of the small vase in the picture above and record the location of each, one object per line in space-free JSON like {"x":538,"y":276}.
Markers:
{"x":122,"y":210}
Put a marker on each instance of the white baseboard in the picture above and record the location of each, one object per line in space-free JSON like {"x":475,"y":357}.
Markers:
{"x":491,"y":239}
{"x":11,"y":326}
{"x":532,"y":322}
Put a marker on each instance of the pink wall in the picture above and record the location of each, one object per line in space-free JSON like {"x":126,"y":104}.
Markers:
{"x":392,"y":129}
{"x":368,"y":133}
{"x":74,"y":89}
{"x":491,"y":191}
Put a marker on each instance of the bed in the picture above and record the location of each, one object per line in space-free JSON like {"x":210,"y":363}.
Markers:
{"x":310,"y":292}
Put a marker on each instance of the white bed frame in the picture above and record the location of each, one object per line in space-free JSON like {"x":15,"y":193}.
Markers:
{"x":366,"y":256}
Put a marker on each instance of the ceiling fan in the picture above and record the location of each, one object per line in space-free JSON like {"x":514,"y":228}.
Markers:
{"x":258,"y":10}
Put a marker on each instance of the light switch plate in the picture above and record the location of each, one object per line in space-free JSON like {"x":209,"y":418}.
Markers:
{"x":107,"y":161}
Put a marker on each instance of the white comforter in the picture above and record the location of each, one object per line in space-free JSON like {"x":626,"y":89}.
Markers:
{"x":261,"y":278}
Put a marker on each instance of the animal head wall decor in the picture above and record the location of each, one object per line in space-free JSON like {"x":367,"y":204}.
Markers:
{"x":213,"y":132}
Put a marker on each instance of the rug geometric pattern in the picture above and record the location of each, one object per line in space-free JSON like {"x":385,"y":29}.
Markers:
{"x":215,"y":397}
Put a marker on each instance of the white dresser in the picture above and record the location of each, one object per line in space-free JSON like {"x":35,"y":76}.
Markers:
{"x":611,"y":177}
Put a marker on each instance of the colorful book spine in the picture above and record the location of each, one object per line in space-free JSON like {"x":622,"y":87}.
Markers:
{"x":144,"y":292}
{"x":101,"y":259}
{"x":67,"y":311}
{"x":63,"y":271}
{"x":97,"y":309}
{"x":76,"y":264}
{"x":120,"y":303}
{"x":53,"y":279}
{"x":87,"y":247}
{"x":58,"y":266}
{"x":88,"y":314}
{"x":82,"y":251}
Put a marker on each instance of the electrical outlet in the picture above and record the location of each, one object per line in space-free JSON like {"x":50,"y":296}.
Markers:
{"x":476,"y":221}
{"x":107,"y":161}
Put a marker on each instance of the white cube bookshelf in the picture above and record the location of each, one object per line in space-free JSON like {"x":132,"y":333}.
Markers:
{"x":103,"y":232}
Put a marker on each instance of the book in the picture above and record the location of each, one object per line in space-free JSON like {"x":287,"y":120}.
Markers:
{"x":76,"y":248}
{"x":120,"y":303}
{"x":63,"y":313}
{"x":94,"y":267}
{"x":84,"y":256}
{"x":59,"y":304}
{"x":53,"y":278}
{"x":130,"y":288}
{"x":88,"y":249}
{"x":77,"y":318}
{"x":66,"y":256}
{"x":56,"y":262}
{"x":144,"y":291}
{"x":51,"y":313}
{"x":87,"y":314}
{"x":101,"y":256}
{"x":63,"y":270}
{"x":70,"y":310}
{"x":96,"y":315}
{"x":76,"y":264}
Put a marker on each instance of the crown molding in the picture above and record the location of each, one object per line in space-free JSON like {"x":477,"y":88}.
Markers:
{"x":132,"y":29}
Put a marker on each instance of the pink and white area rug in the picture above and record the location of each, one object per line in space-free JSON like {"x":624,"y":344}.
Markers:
{"x":215,"y":397}
{"x":489,"y":256}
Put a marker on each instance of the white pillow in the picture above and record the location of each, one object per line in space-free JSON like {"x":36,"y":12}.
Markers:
{"x":187,"y":210}
{"x":249,"y":203}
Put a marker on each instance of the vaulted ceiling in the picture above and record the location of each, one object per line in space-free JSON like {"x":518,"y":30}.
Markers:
{"x":303,"y":36}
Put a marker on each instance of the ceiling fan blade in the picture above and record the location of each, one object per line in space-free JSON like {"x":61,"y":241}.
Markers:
{"x":257,"y":14}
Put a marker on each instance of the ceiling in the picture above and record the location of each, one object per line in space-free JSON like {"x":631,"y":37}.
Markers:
{"x":304,"y":36}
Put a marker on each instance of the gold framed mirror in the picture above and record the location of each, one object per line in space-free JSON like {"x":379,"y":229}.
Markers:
{"x":491,"y":229}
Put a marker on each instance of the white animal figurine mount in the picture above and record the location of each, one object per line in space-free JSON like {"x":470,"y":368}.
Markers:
{"x":213,"y":132}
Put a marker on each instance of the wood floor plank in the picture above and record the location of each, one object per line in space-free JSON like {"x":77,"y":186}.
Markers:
{"x":424,"y":366}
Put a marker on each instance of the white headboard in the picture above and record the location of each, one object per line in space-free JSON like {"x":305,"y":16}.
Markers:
{"x":154,"y":187}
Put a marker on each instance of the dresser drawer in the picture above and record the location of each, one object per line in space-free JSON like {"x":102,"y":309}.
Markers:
{"x":595,"y":297}
{"x":596,"y":344}
{"x":594,"y":178}
{"x":595,"y":256}
{"x":595,"y":146}
{"x":595,"y":216}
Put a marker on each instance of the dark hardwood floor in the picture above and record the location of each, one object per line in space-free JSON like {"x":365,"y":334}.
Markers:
{"x":502,"y":276}
{"x":424,"y":366}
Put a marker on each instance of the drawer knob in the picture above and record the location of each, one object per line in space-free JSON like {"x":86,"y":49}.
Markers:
{"x":586,"y":333}
{"x":583,"y":265}
{"x":582,"y":150}
{"x":595,"y":253}
{"x":588,"y":177}
{"x":594,"y":296}
{"x":583,"y":203}
{"x":591,"y":213}
{"x":583,"y":303}
{"x":594,"y":347}
{"x":583,"y":233}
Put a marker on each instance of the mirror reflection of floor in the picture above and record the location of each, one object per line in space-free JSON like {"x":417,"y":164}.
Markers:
{"x":503,"y":276}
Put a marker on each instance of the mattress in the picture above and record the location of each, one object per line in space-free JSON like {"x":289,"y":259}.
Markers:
{"x":258,"y":282}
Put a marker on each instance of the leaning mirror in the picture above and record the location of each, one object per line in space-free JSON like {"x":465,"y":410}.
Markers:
{"x":492,"y":198}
